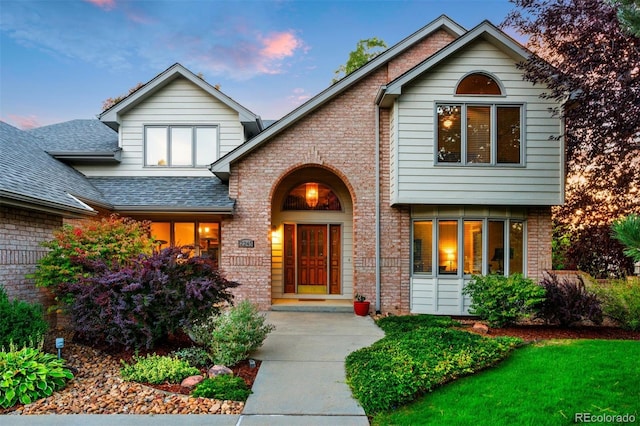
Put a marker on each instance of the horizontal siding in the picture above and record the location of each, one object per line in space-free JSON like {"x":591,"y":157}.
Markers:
{"x":180,"y":102}
{"x":419,"y":180}
{"x":439,"y":296}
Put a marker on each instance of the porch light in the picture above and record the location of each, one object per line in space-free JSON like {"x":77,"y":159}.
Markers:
{"x":311,"y":195}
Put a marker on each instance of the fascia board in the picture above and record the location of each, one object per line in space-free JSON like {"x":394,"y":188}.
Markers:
{"x":21,"y":201}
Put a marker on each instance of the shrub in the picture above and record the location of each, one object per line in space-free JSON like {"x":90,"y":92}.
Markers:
{"x":157,"y":369}
{"x":503,"y":300}
{"x":404,"y":323}
{"x":194,"y":355}
{"x":402,"y":366}
{"x":627,"y":231}
{"x":567,"y":302}
{"x":232,"y":336}
{"x":621,"y":301}
{"x":21,"y":323}
{"x":140,"y":305}
{"x":224,"y":387}
{"x":116,"y":242}
{"x":28,"y":375}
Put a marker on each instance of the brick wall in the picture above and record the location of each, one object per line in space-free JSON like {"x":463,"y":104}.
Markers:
{"x":539,"y":235}
{"x":339,"y":136}
{"x":21,"y":232}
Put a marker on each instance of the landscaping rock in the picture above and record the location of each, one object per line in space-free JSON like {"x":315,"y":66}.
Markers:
{"x":191,"y":381}
{"x":481,"y":328}
{"x":219,"y":370}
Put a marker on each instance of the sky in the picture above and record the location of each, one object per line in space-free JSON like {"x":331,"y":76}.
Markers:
{"x":60,"y":59}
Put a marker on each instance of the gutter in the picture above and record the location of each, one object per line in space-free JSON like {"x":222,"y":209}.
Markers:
{"x":8,"y":198}
{"x":377,"y":219}
{"x":213,"y":210}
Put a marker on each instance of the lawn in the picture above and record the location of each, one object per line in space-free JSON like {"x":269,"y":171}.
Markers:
{"x":541,"y":384}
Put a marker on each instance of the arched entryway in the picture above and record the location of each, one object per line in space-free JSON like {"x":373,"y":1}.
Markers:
{"x":311,"y":239}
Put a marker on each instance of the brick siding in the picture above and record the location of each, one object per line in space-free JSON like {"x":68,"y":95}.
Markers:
{"x":21,"y":232}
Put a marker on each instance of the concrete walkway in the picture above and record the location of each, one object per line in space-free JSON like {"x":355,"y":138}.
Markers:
{"x":301,"y":380}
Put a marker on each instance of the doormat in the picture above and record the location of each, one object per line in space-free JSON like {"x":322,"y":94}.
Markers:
{"x":312,"y":300}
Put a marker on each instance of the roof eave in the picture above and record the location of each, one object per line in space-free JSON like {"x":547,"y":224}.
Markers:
{"x":13,"y":199}
{"x":106,"y":157}
{"x":212,"y":210}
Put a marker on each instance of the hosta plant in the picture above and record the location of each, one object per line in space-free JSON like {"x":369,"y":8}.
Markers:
{"x":29,"y":374}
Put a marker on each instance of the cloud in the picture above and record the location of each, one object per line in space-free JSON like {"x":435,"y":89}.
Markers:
{"x":103,"y":4}
{"x":279,"y":45}
{"x":24,"y":122}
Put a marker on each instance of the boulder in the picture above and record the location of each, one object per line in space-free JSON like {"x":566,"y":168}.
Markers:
{"x":219,"y":370}
{"x":191,"y":381}
{"x":481,"y":328}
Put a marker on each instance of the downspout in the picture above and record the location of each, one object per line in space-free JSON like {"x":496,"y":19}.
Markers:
{"x":377,"y":219}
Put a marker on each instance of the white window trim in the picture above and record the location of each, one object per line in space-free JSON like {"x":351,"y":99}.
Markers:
{"x":494,"y":134}
{"x":194,"y":154}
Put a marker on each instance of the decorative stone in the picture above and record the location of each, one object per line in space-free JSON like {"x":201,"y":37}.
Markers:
{"x":219,"y":370}
{"x":191,"y":381}
{"x":481,"y":328}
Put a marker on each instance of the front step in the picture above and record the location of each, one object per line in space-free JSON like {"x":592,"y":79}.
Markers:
{"x":311,"y":305}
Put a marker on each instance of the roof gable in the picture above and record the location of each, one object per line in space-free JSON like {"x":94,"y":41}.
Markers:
{"x":112,"y":116}
{"x":221,"y":168}
{"x":485,"y":30}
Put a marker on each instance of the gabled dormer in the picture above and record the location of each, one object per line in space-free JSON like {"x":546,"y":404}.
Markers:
{"x":175,"y":125}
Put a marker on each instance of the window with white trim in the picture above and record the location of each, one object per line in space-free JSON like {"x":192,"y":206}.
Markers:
{"x":479,"y":134}
{"x":180,"y":146}
{"x":463,"y":247}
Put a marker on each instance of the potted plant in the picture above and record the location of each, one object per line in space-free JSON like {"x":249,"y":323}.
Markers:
{"x":360,"y":305}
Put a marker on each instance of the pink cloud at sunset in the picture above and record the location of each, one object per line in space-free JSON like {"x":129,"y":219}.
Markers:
{"x":280,"y":45}
{"x":103,"y":4}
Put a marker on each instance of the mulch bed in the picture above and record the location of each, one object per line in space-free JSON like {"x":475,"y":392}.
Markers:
{"x":535,"y":332}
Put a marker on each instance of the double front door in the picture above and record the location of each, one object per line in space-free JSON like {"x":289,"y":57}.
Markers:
{"x":312,"y":259}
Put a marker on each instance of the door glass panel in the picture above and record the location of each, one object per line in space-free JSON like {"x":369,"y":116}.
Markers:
{"x":448,"y":247}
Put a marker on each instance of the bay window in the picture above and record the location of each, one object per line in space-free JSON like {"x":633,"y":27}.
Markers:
{"x":463,"y":247}
{"x":180,"y":146}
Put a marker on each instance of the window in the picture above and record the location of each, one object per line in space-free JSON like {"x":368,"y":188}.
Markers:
{"x":491,"y":135}
{"x":460,"y":243}
{"x":202,"y":237}
{"x":478,"y":84}
{"x":180,"y":146}
{"x":312,"y":196}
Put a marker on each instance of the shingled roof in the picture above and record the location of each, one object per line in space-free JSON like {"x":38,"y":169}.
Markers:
{"x":33,"y":179}
{"x":185,"y":194}
{"x":80,"y":141}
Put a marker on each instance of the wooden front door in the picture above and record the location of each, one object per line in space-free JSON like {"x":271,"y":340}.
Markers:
{"x":312,"y":255}
{"x":311,"y":260}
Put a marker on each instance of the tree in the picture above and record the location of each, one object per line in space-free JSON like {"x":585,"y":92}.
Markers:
{"x":629,"y":15}
{"x":627,"y":231}
{"x":591,"y":65}
{"x":365,"y":51}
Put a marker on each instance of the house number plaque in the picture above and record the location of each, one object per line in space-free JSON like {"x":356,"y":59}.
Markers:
{"x":246,"y":243}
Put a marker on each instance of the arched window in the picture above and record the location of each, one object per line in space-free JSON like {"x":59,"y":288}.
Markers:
{"x":312,"y":196}
{"x":478,"y":84}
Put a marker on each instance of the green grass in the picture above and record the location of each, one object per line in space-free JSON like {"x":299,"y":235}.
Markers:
{"x":541,"y":384}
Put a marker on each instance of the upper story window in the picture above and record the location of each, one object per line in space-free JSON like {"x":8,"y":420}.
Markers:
{"x":478,"y":84}
{"x":479,"y":134}
{"x":180,"y":146}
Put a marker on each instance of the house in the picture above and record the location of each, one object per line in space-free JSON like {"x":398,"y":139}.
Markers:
{"x":433,"y":162}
